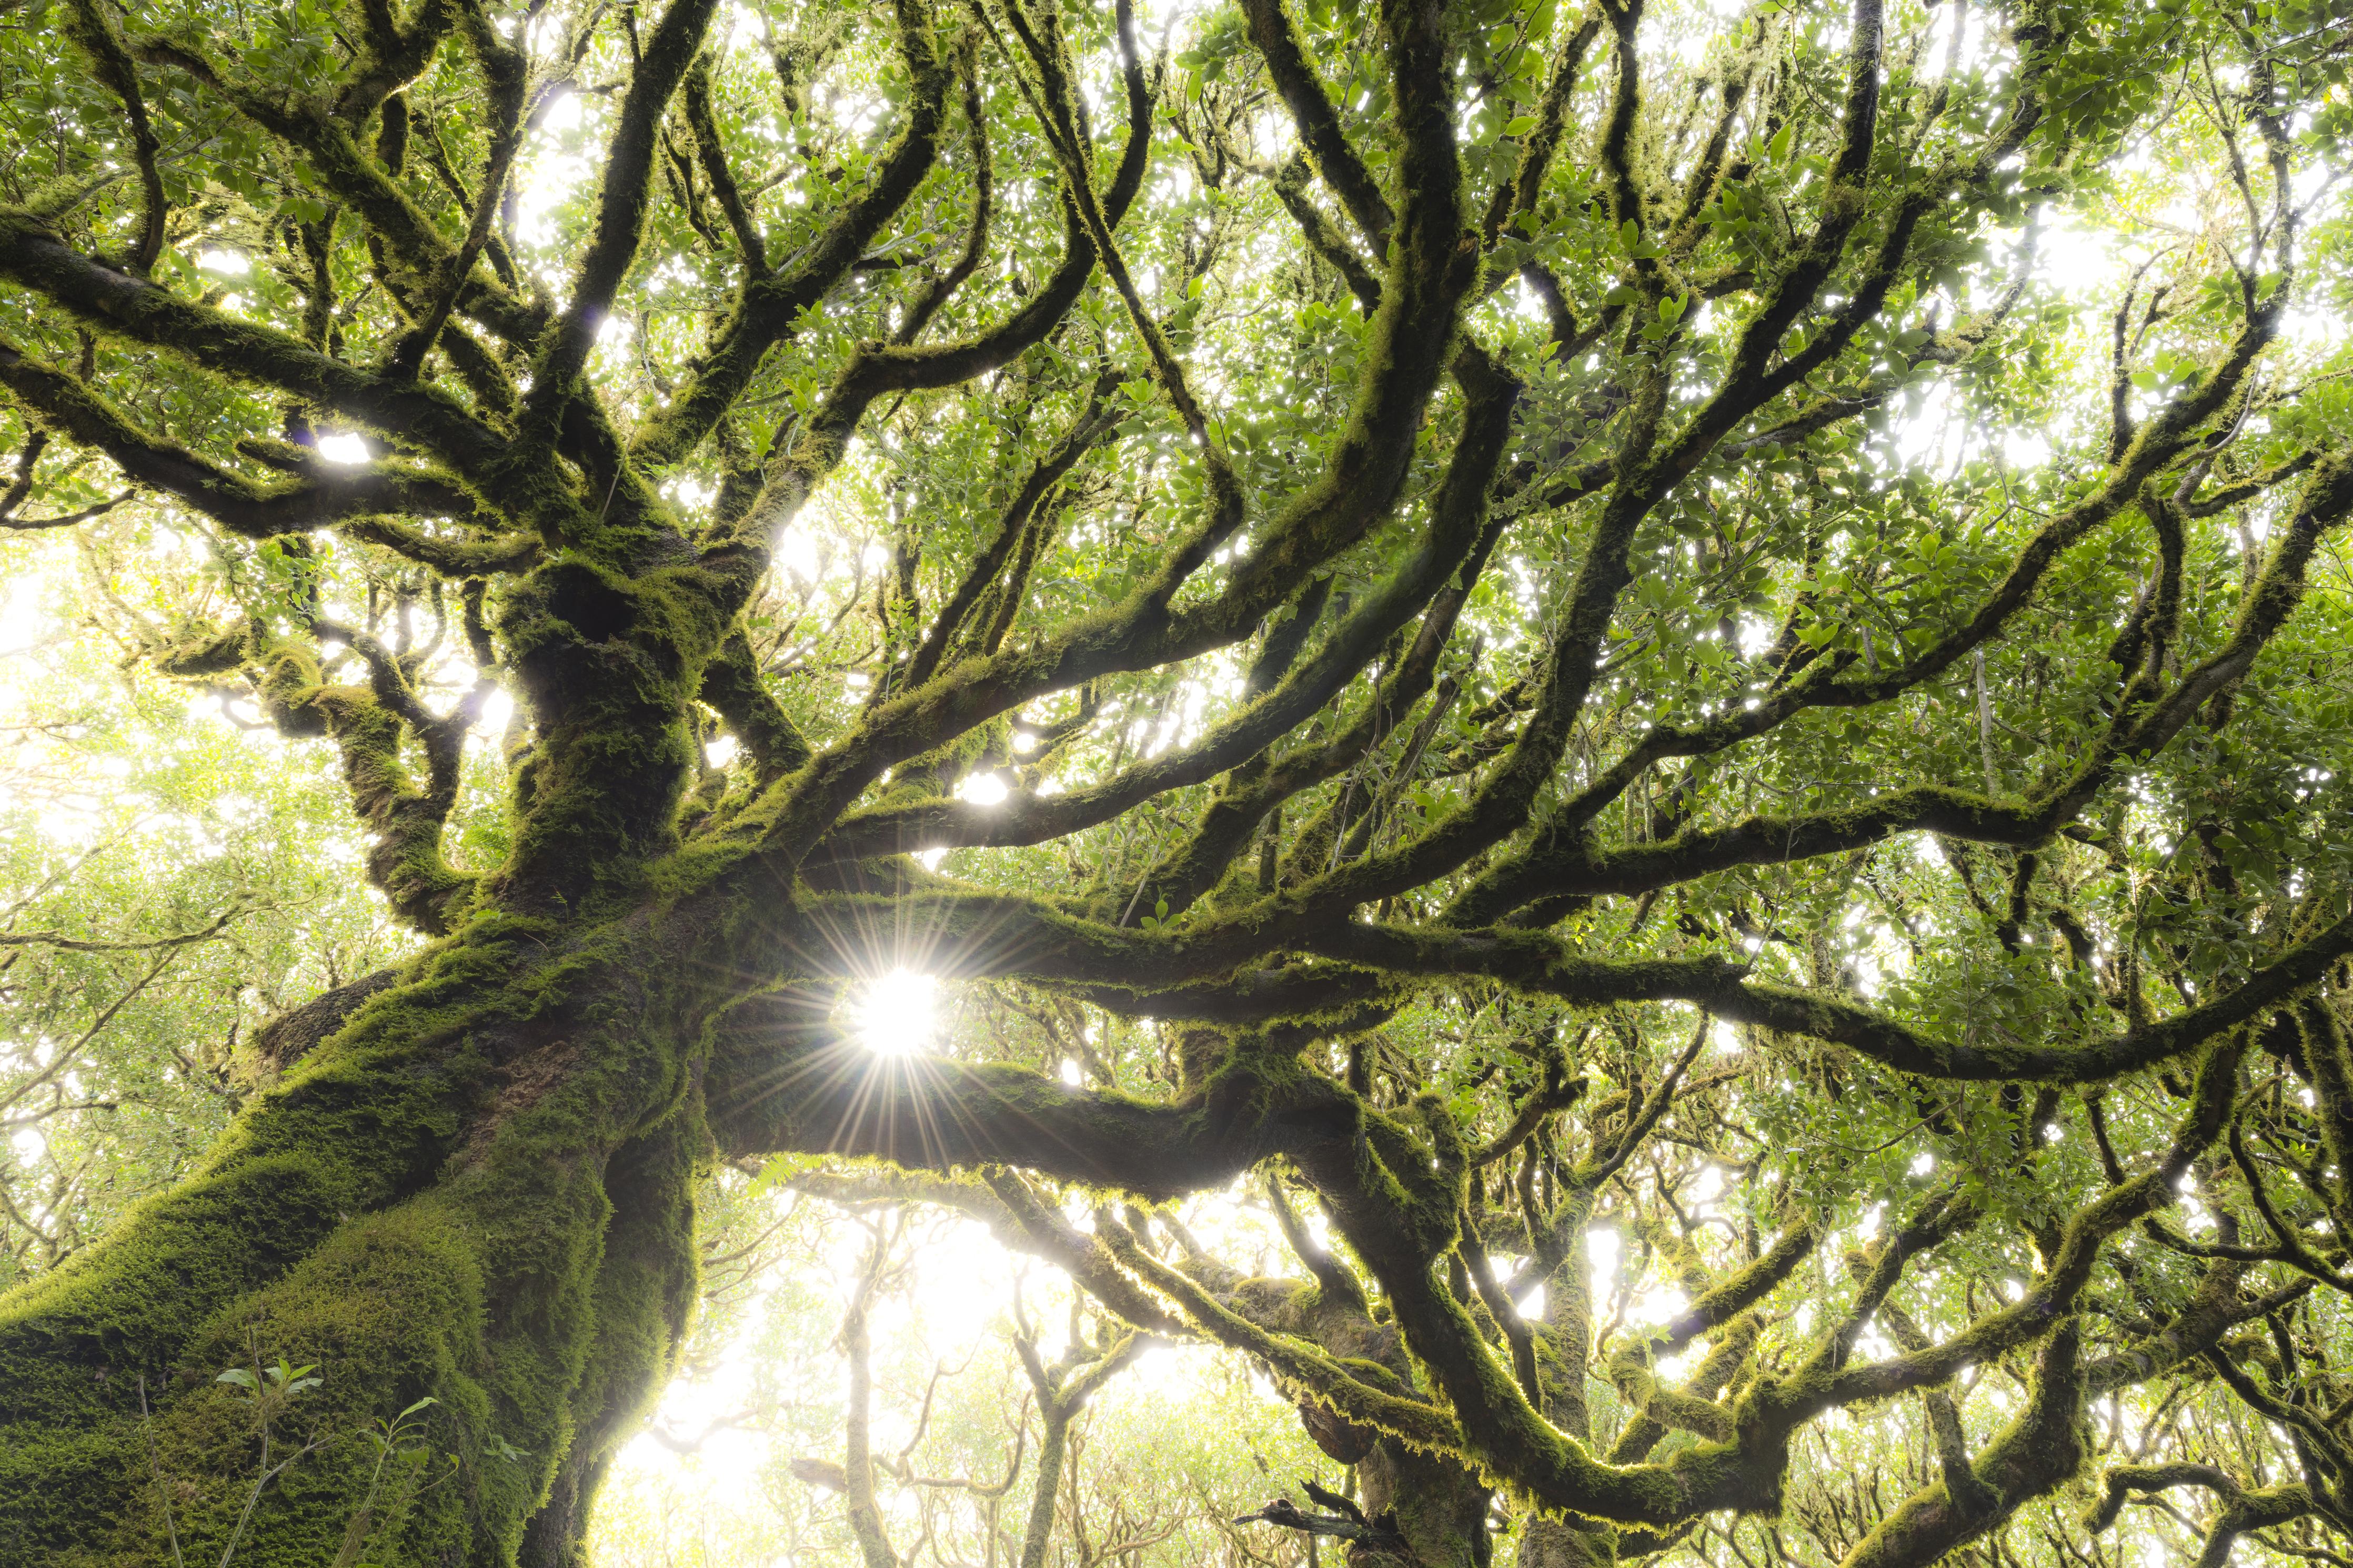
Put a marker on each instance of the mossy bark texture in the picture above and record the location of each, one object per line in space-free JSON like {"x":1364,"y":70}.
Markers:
{"x":481,"y":1191}
{"x":474,"y":1186}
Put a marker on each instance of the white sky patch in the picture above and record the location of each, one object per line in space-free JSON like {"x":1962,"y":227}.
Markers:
{"x":562,"y":114}
{"x":2025,"y":448}
{"x":727,"y":1460}
{"x":984,"y":789}
{"x":1602,"y":1251}
{"x":797,"y":553}
{"x":227,"y":263}
{"x":1160,"y":14}
{"x":551,"y":172}
{"x":897,"y":1013}
{"x":23,"y":621}
{"x":343,"y":448}
{"x":2312,"y":328}
{"x":1660,"y":1306}
{"x":1924,"y":437}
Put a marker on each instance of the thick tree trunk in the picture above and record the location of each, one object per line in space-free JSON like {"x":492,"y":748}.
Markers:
{"x":476,"y":1190}
{"x":1439,"y":1508}
{"x":479,"y":1191}
{"x":1556,"y":1543}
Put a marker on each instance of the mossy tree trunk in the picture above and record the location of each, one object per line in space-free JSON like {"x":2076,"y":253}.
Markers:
{"x":477,"y":1187}
{"x":481,"y":1190}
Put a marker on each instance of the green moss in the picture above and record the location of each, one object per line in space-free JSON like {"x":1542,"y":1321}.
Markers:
{"x":422,"y":1206}
{"x":643,"y":1294}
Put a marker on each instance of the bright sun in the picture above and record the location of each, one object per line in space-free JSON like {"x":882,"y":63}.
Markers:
{"x":895,"y":1016}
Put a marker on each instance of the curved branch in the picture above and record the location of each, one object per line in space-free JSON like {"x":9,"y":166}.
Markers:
{"x":67,"y":407}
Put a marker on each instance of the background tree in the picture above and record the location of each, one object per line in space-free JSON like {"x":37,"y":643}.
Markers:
{"x":1446,"y":604}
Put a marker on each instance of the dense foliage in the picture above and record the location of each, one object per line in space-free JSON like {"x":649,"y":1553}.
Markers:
{"x":1666,"y":683}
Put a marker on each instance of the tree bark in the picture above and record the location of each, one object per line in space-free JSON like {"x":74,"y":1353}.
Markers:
{"x":480,"y":1189}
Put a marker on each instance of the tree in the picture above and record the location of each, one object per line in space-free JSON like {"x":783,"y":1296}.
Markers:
{"x":1375,"y":580}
